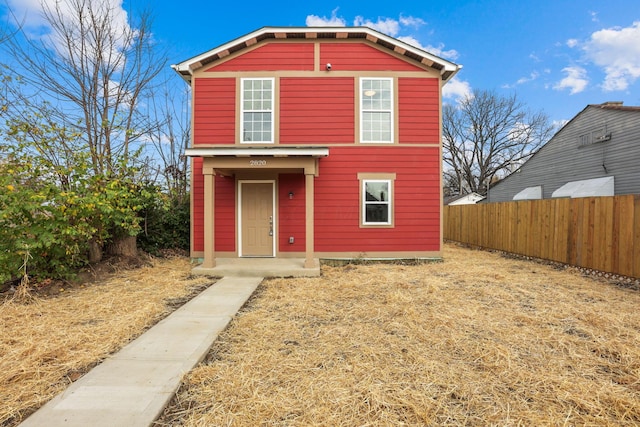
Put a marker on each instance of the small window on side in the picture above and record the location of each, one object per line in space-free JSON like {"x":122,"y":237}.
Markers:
{"x":376,"y":202}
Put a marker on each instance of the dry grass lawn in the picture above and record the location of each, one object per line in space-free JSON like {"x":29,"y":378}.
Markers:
{"x":51,"y":341}
{"x":478,"y":339}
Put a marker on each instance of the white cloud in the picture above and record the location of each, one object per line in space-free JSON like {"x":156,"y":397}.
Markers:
{"x":559,"y":124}
{"x":410,"y":21}
{"x":389,"y":26}
{"x":384,"y":25}
{"x":572,"y":43}
{"x":31,"y":15}
{"x":533,"y":76}
{"x":436,"y":50}
{"x":575,"y":80}
{"x":333,"y":21}
{"x":617,"y":52}
{"x":522,"y":80}
{"x":27,"y":12}
{"x":456,"y":89}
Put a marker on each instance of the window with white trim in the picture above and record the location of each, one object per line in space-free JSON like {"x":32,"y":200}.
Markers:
{"x":376,"y":202}
{"x":376,"y":110}
{"x":257,"y":110}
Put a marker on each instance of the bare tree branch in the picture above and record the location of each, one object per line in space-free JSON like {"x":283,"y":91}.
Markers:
{"x":95,"y":67}
{"x":485,"y":135}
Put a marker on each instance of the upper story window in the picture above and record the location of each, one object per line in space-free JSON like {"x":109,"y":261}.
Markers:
{"x":257,"y":110}
{"x":376,"y":110}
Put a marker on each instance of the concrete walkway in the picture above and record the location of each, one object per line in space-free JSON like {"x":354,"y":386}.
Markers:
{"x":132,"y":387}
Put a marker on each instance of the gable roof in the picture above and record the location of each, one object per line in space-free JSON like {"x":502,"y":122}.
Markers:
{"x":446,"y":68}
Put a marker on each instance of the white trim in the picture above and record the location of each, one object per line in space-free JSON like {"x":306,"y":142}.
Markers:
{"x":256,"y":151}
{"x":391,"y":111}
{"x":389,"y":201}
{"x":239,"y":209}
{"x":271,"y":110}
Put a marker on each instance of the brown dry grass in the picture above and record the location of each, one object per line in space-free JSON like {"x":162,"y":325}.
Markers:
{"x":51,"y":341}
{"x":478,"y":339}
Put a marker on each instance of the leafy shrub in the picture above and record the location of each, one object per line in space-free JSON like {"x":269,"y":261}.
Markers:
{"x":51,"y":208}
{"x":165,"y":224}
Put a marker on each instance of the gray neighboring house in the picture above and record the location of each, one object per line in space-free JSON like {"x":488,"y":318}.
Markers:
{"x":597,"y":153}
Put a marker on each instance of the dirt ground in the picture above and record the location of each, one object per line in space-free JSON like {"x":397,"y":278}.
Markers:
{"x":477,"y":339}
{"x":52,"y":339}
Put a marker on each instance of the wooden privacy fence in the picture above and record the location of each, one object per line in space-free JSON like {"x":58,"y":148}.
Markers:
{"x":601,"y":233}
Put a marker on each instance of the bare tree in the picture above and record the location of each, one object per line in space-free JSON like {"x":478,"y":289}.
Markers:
{"x":95,"y":66}
{"x":485,"y":135}
{"x":170,"y":108}
{"x":90,"y":73}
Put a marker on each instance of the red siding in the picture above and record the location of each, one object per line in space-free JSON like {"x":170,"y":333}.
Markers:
{"x":272,"y":57}
{"x":225,"y":217}
{"x":359,"y":56}
{"x":416,"y":200}
{"x":291,"y":213}
{"x":419,"y":111}
{"x":319,"y":108}
{"x":225,"y":210}
{"x":316,"y":110}
{"x":214,"y":111}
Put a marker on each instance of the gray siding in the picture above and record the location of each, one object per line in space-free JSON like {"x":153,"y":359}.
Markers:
{"x":563,"y":159}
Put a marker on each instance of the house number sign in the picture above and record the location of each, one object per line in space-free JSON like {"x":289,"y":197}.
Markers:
{"x":257,"y":163}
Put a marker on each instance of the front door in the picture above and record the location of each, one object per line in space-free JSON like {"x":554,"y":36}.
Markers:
{"x":257,"y":219}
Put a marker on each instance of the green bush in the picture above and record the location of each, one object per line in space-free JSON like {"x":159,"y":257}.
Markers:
{"x":51,"y":210}
{"x":165,"y":225}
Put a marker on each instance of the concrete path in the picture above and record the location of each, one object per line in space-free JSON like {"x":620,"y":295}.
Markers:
{"x":132,"y":387}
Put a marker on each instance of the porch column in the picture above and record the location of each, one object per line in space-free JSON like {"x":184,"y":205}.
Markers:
{"x":209,"y":218}
{"x":309,"y":261}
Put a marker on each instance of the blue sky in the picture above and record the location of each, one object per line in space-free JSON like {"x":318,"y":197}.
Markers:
{"x":557,"y":56}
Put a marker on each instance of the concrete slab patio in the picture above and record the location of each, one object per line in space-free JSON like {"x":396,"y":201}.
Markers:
{"x":132,"y":387}
{"x":263,"y":267}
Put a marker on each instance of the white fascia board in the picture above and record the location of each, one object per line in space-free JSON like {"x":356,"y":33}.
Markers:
{"x":186,"y":65}
{"x":267,"y":151}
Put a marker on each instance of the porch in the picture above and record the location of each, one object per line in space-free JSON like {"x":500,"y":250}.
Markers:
{"x":259,"y":267}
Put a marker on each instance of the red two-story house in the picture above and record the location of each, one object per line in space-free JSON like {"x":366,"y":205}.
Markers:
{"x":316,"y":143}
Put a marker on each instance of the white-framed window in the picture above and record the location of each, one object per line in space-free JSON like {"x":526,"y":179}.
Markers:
{"x":256,"y":118}
{"x":376,"y":110}
{"x":377,"y":202}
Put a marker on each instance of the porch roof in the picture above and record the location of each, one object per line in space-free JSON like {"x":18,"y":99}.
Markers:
{"x":280,"y":151}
